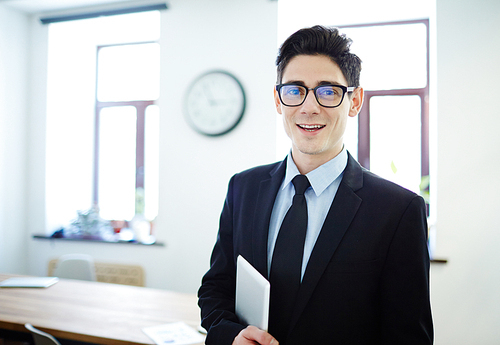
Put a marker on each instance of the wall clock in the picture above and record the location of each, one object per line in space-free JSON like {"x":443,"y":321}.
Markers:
{"x":215,"y":103}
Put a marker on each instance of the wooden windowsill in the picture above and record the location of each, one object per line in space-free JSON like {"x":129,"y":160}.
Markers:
{"x":95,"y":240}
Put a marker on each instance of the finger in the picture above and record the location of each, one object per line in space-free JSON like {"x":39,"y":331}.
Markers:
{"x":253,"y":333}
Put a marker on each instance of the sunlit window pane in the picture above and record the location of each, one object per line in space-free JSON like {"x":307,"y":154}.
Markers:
{"x":395,"y":145}
{"x":394,"y":56}
{"x":117,"y":147}
{"x":151,"y":161}
{"x":351,"y":136}
{"x":129,"y":72}
{"x":71,"y":89}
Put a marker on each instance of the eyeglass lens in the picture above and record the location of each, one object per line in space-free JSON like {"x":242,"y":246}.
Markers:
{"x":328,"y":95}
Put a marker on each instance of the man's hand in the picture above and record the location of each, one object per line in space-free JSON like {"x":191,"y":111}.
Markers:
{"x":252,"y":335}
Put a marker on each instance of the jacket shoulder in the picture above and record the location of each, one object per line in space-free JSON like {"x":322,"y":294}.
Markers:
{"x":378,"y":193}
{"x":259,"y":172}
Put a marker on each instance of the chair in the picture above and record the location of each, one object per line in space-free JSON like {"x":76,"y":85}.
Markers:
{"x":41,"y":338}
{"x":75,"y":266}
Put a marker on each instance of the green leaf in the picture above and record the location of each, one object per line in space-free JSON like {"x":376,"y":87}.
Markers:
{"x":393,"y":167}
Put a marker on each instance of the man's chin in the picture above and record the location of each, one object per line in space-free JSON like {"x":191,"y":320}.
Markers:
{"x":310,"y":151}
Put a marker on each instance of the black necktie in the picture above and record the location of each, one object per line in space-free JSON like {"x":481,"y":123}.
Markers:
{"x":286,"y":265}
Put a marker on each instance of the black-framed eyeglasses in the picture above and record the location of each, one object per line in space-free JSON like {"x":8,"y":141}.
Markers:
{"x":328,"y":96}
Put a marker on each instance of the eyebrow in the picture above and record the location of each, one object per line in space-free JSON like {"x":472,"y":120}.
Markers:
{"x":323,"y":82}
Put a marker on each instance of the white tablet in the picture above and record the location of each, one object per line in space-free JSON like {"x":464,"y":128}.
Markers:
{"x":29,"y":282}
{"x":252,"y":295}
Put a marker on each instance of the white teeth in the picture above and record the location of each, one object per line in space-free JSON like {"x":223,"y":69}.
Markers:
{"x":311,"y":126}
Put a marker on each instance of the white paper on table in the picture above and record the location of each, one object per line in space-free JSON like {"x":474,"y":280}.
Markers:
{"x":177,"y":333}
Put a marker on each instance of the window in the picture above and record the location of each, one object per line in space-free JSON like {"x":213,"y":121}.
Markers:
{"x":102,"y":123}
{"x":126,"y":128}
{"x":391,"y":137}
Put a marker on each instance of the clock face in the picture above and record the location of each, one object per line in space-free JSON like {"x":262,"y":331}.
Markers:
{"x":215,"y":103}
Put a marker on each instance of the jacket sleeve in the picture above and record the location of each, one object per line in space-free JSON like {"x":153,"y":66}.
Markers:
{"x":405,"y":305}
{"x":217,"y":292}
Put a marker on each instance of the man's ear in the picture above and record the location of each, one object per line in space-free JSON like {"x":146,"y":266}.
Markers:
{"x":277,"y":101}
{"x":356,"y":101}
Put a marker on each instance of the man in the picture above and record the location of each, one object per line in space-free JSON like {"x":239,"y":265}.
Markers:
{"x":364,"y":275}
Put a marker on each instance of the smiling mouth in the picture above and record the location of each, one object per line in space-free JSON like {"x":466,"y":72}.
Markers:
{"x":311,"y":128}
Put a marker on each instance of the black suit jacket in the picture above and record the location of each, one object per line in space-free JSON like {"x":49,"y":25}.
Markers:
{"x":367,"y":280}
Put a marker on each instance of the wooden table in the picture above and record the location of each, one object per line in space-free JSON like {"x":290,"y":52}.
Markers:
{"x":93,"y":312}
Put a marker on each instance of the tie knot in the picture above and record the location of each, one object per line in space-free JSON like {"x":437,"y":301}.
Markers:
{"x":301,"y":183}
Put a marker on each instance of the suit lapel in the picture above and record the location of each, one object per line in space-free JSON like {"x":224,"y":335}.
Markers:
{"x":264,"y":205}
{"x":344,"y":207}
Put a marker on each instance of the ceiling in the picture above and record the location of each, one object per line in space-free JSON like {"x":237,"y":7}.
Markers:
{"x":40,"y":6}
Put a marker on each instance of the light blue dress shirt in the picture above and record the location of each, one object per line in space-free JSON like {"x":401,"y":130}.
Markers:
{"x":325,"y":181}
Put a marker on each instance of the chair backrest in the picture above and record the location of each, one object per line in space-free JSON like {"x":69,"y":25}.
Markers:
{"x":75,"y":266}
{"x":41,"y":338}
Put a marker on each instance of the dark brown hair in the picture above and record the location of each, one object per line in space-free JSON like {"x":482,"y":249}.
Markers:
{"x":320,"y":40}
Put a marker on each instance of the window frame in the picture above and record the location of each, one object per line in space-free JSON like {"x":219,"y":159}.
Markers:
{"x":140,"y":107}
{"x":422,"y":93}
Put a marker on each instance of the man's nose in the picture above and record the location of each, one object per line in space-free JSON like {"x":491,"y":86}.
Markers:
{"x":311,"y":102}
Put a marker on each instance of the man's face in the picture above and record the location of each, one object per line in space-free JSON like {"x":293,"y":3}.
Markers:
{"x":316,"y":132}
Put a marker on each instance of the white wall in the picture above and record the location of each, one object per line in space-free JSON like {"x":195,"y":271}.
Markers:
{"x":240,"y":37}
{"x":237,"y":36}
{"x":13,"y":138}
{"x":465,"y":291}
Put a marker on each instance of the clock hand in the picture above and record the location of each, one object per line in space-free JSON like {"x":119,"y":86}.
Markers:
{"x":210,"y":96}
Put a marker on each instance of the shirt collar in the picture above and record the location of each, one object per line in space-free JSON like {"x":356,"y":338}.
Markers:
{"x":321,"y":177}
